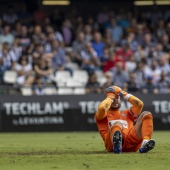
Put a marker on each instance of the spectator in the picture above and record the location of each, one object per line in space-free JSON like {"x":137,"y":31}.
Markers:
{"x":116,"y":31}
{"x":120,"y":76}
{"x":166,"y":43}
{"x":164,"y":66}
{"x":10,"y":17}
{"x":154,"y":71}
{"x":132,"y":87}
{"x":163,"y":84}
{"x":42,"y":69}
{"x":112,"y":61}
{"x":93,"y":85}
{"x":149,"y":87}
{"x":38,"y":86}
{"x":24,"y":71}
{"x":90,"y":60}
{"x":98,"y":44}
{"x":88,"y":33}
{"x":6,"y":36}
{"x":67,"y":32}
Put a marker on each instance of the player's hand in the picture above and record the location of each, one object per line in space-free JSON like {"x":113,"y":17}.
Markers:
{"x":113,"y":89}
{"x":110,"y":95}
{"x":123,"y":93}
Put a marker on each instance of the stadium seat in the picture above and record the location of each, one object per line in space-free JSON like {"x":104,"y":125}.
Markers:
{"x":26,"y":91}
{"x":81,"y":76}
{"x":10,"y":77}
{"x":99,"y":74}
{"x":73,"y":66}
{"x":74,"y":83}
{"x":65,"y":91}
{"x":50,"y":90}
{"x":61,"y":77}
{"x":79,"y":90}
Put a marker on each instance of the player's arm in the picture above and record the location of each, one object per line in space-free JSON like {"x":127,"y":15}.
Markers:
{"x":104,"y":106}
{"x":137,"y":104}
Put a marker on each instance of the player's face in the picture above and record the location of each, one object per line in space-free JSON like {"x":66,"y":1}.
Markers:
{"x":116,"y":103}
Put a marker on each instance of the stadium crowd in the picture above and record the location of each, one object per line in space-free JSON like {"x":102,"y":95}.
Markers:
{"x":130,"y":48}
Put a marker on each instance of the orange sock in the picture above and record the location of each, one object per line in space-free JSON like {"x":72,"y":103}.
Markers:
{"x":113,"y":130}
{"x":147,"y":127}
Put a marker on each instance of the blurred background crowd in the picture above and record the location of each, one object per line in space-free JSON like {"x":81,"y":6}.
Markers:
{"x":68,"y":50}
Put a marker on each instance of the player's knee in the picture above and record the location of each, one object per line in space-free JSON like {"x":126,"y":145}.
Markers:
{"x":146,"y":114}
{"x":117,"y":124}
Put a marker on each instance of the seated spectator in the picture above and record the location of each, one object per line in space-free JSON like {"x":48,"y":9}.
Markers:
{"x":154,"y":71}
{"x":148,"y":86}
{"x":164,"y":65}
{"x":78,"y":45}
{"x":90,"y":60}
{"x":6,"y":36}
{"x":120,"y":76}
{"x":44,"y":70}
{"x":109,"y":77}
{"x":116,"y":31}
{"x":7,"y":59}
{"x":24,"y":37}
{"x":24,"y":71}
{"x":125,"y":52}
{"x":67,"y":32}
{"x":93,"y":85}
{"x":130,"y":64}
{"x":140,"y":72}
{"x":98,"y":44}
{"x":58,"y":61}
{"x":88,"y":33}
{"x":10,"y":17}
{"x":163,"y":84}
{"x":166,"y":43}
{"x":132,"y":85}
{"x":38,"y":86}
{"x":112,"y":61}
{"x":38,"y":36}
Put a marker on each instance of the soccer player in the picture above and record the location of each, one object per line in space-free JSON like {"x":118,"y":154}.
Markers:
{"x":127,"y":131}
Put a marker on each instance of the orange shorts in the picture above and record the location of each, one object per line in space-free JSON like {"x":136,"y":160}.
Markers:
{"x":131,"y":143}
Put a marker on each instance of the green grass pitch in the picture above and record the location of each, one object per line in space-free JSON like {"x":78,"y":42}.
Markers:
{"x":76,"y":151}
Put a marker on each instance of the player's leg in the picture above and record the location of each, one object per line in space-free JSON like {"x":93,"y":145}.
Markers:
{"x":116,"y":137}
{"x":144,"y":130}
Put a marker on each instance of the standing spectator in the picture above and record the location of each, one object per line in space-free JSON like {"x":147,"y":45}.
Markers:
{"x":98,"y":44}
{"x":160,"y":29}
{"x":6,"y":36}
